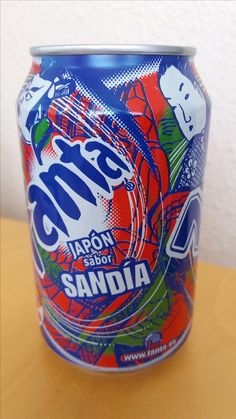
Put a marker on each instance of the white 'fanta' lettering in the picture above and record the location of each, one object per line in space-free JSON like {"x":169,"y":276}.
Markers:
{"x":81,"y":171}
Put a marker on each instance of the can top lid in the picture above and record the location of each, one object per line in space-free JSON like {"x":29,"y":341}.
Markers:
{"x":110,"y":49}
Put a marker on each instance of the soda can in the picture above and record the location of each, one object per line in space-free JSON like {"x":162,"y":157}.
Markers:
{"x":114,"y":142}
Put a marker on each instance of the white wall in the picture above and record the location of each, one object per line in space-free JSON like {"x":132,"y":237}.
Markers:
{"x":211,"y":26}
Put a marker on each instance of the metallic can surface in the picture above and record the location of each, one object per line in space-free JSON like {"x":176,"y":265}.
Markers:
{"x":114,"y":150}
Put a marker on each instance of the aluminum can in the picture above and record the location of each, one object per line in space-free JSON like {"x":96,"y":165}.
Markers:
{"x":113,"y":142}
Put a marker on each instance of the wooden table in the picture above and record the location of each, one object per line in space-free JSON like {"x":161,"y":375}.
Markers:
{"x":198,"y":382}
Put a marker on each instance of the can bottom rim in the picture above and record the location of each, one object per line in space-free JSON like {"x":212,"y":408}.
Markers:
{"x":62,"y":353}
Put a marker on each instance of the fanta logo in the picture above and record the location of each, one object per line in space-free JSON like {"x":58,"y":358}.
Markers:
{"x":80,"y":172}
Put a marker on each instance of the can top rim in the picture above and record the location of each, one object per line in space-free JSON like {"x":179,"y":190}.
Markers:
{"x":110,"y":49}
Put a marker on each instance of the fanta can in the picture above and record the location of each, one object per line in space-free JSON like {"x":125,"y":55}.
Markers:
{"x":114,"y":142}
